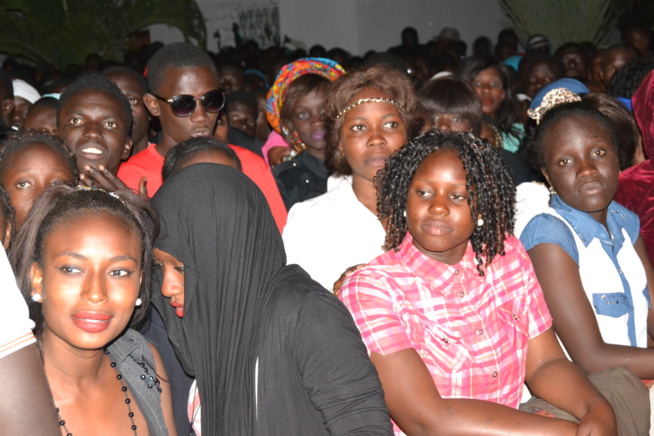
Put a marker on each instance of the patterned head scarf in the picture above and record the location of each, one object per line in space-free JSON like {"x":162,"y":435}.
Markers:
{"x":289,"y":72}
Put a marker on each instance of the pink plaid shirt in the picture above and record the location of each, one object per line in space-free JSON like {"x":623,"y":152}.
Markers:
{"x":470,"y":331}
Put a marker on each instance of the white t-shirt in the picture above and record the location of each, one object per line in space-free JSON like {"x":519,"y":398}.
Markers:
{"x":330,"y":233}
{"x":15,"y":324}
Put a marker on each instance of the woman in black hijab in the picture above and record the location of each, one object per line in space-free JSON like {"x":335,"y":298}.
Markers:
{"x":272,"y":352}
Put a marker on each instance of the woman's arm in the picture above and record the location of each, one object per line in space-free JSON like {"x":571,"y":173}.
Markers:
{"x":574,"y":318}
{"x":641,"y":250}
{"x":418,"y":409}
{"x":166,"y":397}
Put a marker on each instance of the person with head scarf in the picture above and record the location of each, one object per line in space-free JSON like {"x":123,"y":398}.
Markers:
{"x":636,"y":186}
{"x":272,"y":352}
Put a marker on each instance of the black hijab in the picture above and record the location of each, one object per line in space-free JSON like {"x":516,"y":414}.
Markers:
{"x":218,"y":223}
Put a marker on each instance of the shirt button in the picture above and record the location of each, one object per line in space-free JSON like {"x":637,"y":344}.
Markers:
{"x":494,"y":374}
{"x":620,"y":271}
{"x":480,"y":331}
{"x":456,"y":271}
{"x":461,"y":294}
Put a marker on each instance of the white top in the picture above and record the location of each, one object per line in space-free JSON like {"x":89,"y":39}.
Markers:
{"x":330,"y":233}
{"x":15,"y":324}
{"x":532,"y":198}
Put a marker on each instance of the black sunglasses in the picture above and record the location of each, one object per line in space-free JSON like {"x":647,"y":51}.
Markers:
{"x":183,"y":105}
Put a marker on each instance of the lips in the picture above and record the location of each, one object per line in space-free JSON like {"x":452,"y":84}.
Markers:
{"x":179,"y":309}
{"x":436,"y":228}
{"x":318,"y":135}
{"x":92,"y":322}
{"x":200,"y":133}
{"x":377,"y":160}
{"x":591,"y":187}
{"x":90,"y":151}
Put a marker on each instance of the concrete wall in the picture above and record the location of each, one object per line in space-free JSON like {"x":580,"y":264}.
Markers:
{"x":355,"y":25}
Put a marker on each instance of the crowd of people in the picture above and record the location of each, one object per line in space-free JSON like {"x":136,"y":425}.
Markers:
{"x":281,"y":242}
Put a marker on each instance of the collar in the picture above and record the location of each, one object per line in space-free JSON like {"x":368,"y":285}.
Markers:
{"x":587,"y":228}
{"x":435,"y":272}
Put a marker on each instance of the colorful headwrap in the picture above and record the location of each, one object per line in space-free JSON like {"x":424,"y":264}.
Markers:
{"x":289,"y":72}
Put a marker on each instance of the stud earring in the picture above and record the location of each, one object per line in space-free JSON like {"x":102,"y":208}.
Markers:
{"x":480,"y":222}
{"x":138,"y":302}
{"x":404,"y":214}
{"x":36,"y":298}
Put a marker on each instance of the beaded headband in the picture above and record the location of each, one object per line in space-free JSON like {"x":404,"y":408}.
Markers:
{"x":369,"y":100}
{"x":553,"y":98}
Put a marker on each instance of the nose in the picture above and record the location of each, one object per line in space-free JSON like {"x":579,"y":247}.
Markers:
{"x":438,"y":205}
{"x":199,"y":114}
{"x":170,"y":286}
{"x":94,"y":289}
{"x":586,"y":168}
{"x":443,"y":125}
{"x":92,"y":130}
{"x":376,"y":138}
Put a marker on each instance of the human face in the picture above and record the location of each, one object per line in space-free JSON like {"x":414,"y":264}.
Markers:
{"x":370,"y":133}
{"x":29,"y":172}
{"x":437,"y":210}
{"x":308,"y":120}
{"x":242,"y":117}
{"x":490,"y":89}
{"x":451,"y":123}
{"x":177,"y":81}
{"x":262,"y":127}
{"x":21,"y":107}
{"x":134,"y":92}
{"x":539,"y":76}
{"x":172,"y":285}
{"x":42,"y":119}
{"x":574,"y":63}
{"x":94,"y":126}
{"x":639,"y":39}
{"x":581,"y":164}
{"x":231,"y":79}
{"x":89,"y":280}
{"x":614,"y":62}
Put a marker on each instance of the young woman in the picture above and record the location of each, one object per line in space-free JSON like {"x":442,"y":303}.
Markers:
{"x":452,"y":314}
{"x":82,"y":259}
{"x":370,"y":114}
{"x":272,"y":352}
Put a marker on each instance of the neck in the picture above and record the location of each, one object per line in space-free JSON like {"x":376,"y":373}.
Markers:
{"x":366,"y":193}
{"x":165,"y":145}
{"x":65,"y":364}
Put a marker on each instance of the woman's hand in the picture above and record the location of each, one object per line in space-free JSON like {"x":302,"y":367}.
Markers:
{"x":599,"y":421}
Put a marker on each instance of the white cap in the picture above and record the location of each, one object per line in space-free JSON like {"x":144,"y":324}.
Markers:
{"x":25,"y":90}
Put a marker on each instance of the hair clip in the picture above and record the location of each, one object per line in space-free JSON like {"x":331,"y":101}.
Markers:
{"x":371,"y":100}
{"x":553,"y":98}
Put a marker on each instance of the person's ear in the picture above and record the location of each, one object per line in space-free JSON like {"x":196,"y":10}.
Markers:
{"x":543,"y":171}
{"x":7,"y":239}
{"x":152,"y":104}
{"x":36,"y":277}
{"x":127,"y":150}
{"x":7,"y":106}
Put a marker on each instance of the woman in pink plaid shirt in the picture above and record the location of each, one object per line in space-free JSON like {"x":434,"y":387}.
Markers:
{"x":452,"y":315}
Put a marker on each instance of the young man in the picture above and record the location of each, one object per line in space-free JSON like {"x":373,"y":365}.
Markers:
{"x":184,"y":94}
{"x":95,"y":119}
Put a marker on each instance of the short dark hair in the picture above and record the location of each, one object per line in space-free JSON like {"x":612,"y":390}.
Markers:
{"x":100,"y":83}
{"x":16,"y":143}
{"x":120,"y":69}
{"x":488,"y":180}
{"x":535,"y":152}
{"x":178,"y":55}
{"x":60,"y":204}
{"x":185,"y":151}
{"x":450,"y":95}
{"x":391,"y":82}
{"x":617,"y":47}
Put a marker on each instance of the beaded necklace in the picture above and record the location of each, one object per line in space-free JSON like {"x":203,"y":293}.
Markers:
{"x":127,"y":401}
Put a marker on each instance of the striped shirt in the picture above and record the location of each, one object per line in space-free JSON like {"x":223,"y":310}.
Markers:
{"x":470,"y":331}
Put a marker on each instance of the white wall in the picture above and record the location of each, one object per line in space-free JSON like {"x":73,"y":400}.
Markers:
{"x":355,"y":25}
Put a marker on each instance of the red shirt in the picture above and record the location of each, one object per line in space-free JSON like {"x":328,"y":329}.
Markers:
{"x":149,"y":163}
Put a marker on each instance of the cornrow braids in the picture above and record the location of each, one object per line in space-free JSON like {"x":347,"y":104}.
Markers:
{"x":488,"y":180}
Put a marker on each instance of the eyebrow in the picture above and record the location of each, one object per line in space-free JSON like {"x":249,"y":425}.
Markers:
{"x":82,"y":257}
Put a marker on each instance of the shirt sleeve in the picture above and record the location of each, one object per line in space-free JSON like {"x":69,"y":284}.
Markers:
{"x":368,"y":297}
{"x":548,"y":229}
{"x":336,"y":370}
{"x":539,"y":315}
{"x":15,"y":324}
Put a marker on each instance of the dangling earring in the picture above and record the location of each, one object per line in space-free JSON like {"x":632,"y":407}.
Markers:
{"x":36,"y":298}
{"x":552,"y":191}
{"x":138,"y":302}
{"x":480,"y":222}
{"x":298,"y":145}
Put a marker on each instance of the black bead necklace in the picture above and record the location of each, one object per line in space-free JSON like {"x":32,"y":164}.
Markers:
{"x":127,"y":401}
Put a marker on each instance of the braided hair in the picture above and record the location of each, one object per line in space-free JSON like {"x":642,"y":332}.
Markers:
{"x":488,"y":180}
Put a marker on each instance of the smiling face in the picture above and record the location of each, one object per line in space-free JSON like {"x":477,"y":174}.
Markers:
{"x":89,"y":280}
{"x":172,"y":285}
{"x":370,"y":133}
{"x":581,"y":164}
{"x":489,"y":87}
{"x":195,"y":81}
{"x":308,"y":120}
{"x":95,"y":129}
{"x":437,"y":210}
{"x":30,"y":171}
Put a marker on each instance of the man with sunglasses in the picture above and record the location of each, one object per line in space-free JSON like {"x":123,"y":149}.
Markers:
{"x":184,"y":94}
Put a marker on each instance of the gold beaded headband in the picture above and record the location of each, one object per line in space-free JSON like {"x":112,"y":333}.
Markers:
{"x":370,"y":100}
{"x":553,"y":98}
